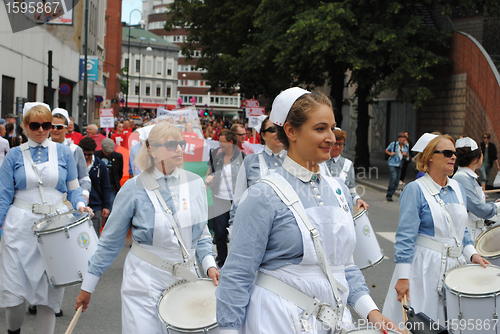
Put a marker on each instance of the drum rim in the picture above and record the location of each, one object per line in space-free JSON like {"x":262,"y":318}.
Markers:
{"x":179,"y":329}
{"x":479,"y":250}
{"x":468,"y":294}
{"x":39,"y":222}
{"x":359,"y":214}
{"x":357,"y":329}
{"x":376,"y":262}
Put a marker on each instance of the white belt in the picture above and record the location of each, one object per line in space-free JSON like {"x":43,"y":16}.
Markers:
{"x":450,"y":251}
{"x":475,"y":223}
{"x":179,"y":269}
{"x":37,"y":207}
{"x":311,"y":306}
{"x":445,"y":250}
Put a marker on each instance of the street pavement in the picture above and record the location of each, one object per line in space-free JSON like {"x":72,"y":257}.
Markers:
{"x":104,"y":312}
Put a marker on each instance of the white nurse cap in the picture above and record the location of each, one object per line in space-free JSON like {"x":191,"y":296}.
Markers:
{"x":283,"y":102}
{"x":144,"y":133}
{"x":466,"y":142}
{"x":61,"y":111}
{"x":29,"y":105}
{"x":423,"y":141}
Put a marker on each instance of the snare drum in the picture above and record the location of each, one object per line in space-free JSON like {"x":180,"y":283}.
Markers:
{"x":367,"y":252}
{"x":488,"y":245}
{"x":473,"y":299}
{"x":66,"y":242}
{"x":189,"y":307}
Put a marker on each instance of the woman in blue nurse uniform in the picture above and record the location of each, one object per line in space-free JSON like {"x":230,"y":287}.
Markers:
{"x":256,"y":166}
{"x":469,"y":159}
{"x":22,"y":272}
{"x":272,"y":244}
{"x":161,"y":199}
{"x":425,"y":226}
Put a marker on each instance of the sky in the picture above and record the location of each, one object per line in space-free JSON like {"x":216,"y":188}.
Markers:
{"x":127,"y":7}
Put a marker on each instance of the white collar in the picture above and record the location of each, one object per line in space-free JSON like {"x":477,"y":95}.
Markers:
{"x":271,"y":153}
{"x":436,"y":188}
{"x":467,"y":170}
{"x":158,"y":175}
{"x":336,"y":159}
{"x":32,"y":143}
{"x":298,"y":171}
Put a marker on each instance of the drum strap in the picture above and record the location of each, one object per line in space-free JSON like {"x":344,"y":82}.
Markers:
{"x":36,"y":207}
{"x":291,"y":199}
{"x":26,"y":150}
{"x":152,"y":184}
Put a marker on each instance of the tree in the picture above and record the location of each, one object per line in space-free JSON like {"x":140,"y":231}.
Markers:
{"x":266,"y":46}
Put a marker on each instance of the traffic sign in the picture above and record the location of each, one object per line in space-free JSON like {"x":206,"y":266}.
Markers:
{"x":64,"y":89}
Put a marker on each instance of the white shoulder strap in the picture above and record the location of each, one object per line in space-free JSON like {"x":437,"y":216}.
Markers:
{"x":347,"y":165}
{"x":264,"y":170}
{"x":25,"y":148}
{"x":150,"y":183}
{"x":288,"y":195}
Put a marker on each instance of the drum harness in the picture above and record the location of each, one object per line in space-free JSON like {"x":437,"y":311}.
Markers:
{"x":332,"y":316}
{"x":43,"y":208}
{"x":445,"y":250}
{"x":474,"y":224}
{"x":179,"y":269}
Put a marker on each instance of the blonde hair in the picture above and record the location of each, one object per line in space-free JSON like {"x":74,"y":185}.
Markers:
{"x":157,"y":137}
{"x":422,"y":158}
{"x":36,"y":110}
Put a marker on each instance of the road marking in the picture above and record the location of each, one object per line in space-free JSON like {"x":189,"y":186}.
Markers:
{"x":391,"y":236}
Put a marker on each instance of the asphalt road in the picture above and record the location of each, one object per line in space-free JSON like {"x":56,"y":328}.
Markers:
{"x":104,"y":313}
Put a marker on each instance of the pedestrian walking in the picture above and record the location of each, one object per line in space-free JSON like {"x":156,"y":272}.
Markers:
{"x":397,"y":151}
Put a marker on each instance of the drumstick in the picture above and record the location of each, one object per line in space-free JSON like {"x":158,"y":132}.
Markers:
{"x":405,"y":316}
{"x":74,"y":320}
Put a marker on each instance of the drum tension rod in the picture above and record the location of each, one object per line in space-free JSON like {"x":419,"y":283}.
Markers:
{"x":66,"y":230}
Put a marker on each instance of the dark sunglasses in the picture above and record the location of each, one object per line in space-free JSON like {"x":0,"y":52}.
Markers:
{"x":58,"y":126}
{"x":34,"y":126}
{"x":485,"y":137}
{"x":271,"y":129}
{"x":447,"y":153}
{"x":171,"y":145}
{"x":88,"y":154}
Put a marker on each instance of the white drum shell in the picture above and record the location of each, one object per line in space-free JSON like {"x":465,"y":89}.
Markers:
{"x":488,"y":245}
{"x":472,"y":312}
{"x":367,"y":252}
{"x":182,"y":304}
{"x":66,"y":254}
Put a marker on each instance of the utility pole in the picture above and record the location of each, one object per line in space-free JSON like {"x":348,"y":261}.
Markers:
{"x":83,"y":120}
{"x":50,"y":95}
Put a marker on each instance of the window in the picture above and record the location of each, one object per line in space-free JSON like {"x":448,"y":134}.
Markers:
{"x":193,"y":68}
{"x":137,"y":65}
{"x":169,"y":68}
{"x":202,"y":83}
{"x":185,"y":99}
{"x":211,"y":99}
{"x":200,"y":99}
{"x":159,"y":66}
{"x":195,"y":83}
{"x":158,"y":90}
{"x":226,"y":100}
{"x":136,"y":88}
{"x":31,"y":91}
{"x":231,"y":100}
{"x":148,"y":89}
{"x":148,"y":66}
{"x":216,"y":100}
{"x":126,"y":64}
{"x":169,"y":91}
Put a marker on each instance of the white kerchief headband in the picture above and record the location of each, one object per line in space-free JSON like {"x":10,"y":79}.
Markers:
{"x":423,"y":141}
{"x":144,"y":133}
{"x":466,"y":142}
{"x":61,"y":111}
{"x":283,"y":103}
{"x":29,"y":105}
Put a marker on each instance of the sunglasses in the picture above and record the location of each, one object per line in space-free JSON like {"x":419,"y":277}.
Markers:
{"x":486,"y":137}
{"x":58,"y":126}
{"x":171,"y":145}
{"x":88,"y":154}
{"x":271,"y":129}
{"x":34,"y":126}
{"x":447,"y":153}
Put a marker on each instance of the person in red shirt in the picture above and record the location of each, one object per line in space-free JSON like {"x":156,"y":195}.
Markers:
{"x":188,"y":133}
{"x":72,"y":135}
{"x":119,"y":137}
{"x":250,"y":138}
{"x":127,"y":127}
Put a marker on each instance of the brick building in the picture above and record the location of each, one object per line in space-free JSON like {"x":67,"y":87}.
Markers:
{"x":191,"y":84}
{"x":112,"y":61}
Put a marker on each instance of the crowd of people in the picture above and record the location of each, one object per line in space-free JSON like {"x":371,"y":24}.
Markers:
{"x":287,"y":209}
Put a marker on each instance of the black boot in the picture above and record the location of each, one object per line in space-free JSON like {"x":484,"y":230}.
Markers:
{"x":14,"y":332}
{"x":59,"y":314}
{"x":32,"y":309}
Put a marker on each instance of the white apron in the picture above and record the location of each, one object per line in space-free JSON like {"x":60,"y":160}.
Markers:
{"x":268,"y":312}
{"x":144,"y":283}
{"x":22,"y":272}
{"x":475,"y":224}
{"x":426,"y":266}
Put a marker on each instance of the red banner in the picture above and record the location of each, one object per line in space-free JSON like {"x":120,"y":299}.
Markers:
{"x":194,"y":149}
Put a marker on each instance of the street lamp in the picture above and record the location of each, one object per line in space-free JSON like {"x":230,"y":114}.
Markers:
{"x":140,"y":65}
{"x":141,"y":23}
